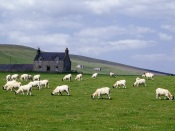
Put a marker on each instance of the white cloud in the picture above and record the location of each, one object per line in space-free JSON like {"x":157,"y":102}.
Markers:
{"x":168,"y":27}
{"x":130,"y":44}
{"x":165,"y":37}
{"x":139,"y":8}
{"x":101,"y":6}
{"x":153,"y":57}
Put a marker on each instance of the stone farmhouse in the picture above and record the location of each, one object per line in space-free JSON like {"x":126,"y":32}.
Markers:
{"x":52,"y":61}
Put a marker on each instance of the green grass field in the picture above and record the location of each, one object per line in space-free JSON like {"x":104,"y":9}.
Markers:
{"x":133,"y":108}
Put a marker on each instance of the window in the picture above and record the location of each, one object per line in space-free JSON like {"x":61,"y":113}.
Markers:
{"x":56,"y":68}
{"x":57,"y":59}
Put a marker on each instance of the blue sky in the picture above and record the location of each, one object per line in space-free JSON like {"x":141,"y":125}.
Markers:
{"x":139,"y":33}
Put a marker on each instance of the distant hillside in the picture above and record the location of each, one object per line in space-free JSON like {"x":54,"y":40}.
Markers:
{"x":17,"y":54}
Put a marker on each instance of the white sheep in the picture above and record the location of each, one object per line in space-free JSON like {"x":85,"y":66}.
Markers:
{"x":137,"y":78}
{"x":163,"y":92}
{"x":139,"y":82}
{"x":60,"y":89}
{"x":13,"y":85}
{"x":23,"y":88}
{"x":30,"y":77}
{"x":44,"y":83}
{"x":101,"y":91}
{"x":24,"y":77}
{"x":8,"y":77}
{"x":120,"y":83}
{"x":79,"y":77}
{"x":94,"y":75}
{"x":111,"y":74}
{"x":148,"y":75}
{"x":14,"y":76}
{"x":36,"y":77}
{"x":10,"y":85}
{"x":35,"y":84}
{"x":67,"y":77}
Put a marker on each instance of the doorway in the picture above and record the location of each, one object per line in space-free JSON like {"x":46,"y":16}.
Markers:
{"x":48,"y":68}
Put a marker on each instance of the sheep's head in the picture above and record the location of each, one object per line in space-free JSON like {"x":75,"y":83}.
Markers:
{"x":92,"y":96}
{"x":3,"y":88}
{"x":114,"y":85}
{"x":53,"y":92}
{"x":172,"y":97}
{"x":134,"y":84}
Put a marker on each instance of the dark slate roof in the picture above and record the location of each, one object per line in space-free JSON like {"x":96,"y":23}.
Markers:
{"x":50,"y":56}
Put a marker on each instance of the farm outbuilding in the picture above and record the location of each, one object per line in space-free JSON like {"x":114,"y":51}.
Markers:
{"x":52,"y":61}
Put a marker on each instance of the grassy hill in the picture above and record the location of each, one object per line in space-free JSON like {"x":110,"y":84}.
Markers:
{"x":17,"y":54}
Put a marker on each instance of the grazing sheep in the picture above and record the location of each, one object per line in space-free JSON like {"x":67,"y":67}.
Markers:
{"x":97,"y":69}
{"x":10,"y":85}
{"x":8,"y":77}
{"x":60,"y":89}
{"x":148,"y":75}
{"x":139,"y":82}
{"x":137,"y":78}
{"x":23,"y":88}
{"x":24,"y":77}
{"x":111,"y":74}
{"x":94,"y":75}
{"x":36,"y":77}
{"x":35,"y":84}
{"x":164,"y":92}
{"x":67,"y":77}
{"x":14,"y":85}
{"x":101,"y":91}
{"x":120,"y":83}
{"x":44,"y":83}
{"x":14,"y":76}
{"x":79,"y":77}
{"x":30,"y":77}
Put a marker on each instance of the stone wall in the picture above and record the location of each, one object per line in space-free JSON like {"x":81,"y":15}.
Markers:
{"x":48,"y":66}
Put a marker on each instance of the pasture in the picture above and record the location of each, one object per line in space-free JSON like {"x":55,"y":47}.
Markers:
{"x":133,"y":108}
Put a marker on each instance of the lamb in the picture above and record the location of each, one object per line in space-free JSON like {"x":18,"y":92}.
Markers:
{"x":67,"y":77}
{"x":14,"y":85}
{"x":101,"y":91}
{"x":164,"y":92}
{"x":30,"y":77}
{"x":8,"y":77}
{"x":111,"y":74}
{"x":35,"y":84}
{"x":44,"y":83}
{"x":120,"y":83}
{"x":14,"y":76}
{"x":79,"y":77}
{"x":10,"y":85}
{"x":139,"y":82}
{"x":148,"y":75}
{"x":24,"y":77}
{"x":23,"y":88}
{"x":36,"y":77}
{"x":60,"y":89}
{"x":94,"y":75}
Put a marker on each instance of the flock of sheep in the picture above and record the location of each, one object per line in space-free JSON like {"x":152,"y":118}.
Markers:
{"x":35,"y":81}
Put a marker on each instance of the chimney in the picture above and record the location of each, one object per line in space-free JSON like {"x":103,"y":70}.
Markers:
{"x":67,"y":51}
{"x":38,"y":51}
